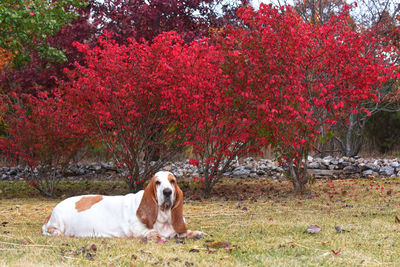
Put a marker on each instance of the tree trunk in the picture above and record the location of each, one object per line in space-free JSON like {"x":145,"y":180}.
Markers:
{"x":299,"y":177}
{"x":349,"y":133}
{"x":207,"y":182}
{"x":134,"y":181}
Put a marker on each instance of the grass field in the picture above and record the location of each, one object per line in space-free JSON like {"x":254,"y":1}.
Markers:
{"x":265,"y":228}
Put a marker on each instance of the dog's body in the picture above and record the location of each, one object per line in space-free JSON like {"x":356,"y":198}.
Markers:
{"x":155,"y":212}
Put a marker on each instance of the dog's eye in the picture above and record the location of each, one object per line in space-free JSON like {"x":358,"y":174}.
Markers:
{"x":158,"y":183}
{"x":172,"y":181}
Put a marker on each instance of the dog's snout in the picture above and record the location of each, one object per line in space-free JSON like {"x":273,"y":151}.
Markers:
{"x":167,"y":192}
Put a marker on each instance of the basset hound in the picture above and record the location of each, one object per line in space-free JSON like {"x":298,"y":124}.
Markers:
{"x":155,"y":213}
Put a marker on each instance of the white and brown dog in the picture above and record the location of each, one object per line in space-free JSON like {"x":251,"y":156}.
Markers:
{"x":155,"y":213}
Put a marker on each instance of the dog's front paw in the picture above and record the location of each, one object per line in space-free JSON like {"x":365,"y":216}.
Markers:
{"x":153,"y":235}
{"x":194,"y":234}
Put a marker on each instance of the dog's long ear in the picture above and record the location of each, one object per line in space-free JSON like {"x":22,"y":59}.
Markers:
{"x":148,"y":209}
{"x":177,"y":212}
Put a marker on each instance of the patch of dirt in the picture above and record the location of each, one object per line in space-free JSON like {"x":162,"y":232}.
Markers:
{"x":238,"y":189}
{"x":110,"y":183}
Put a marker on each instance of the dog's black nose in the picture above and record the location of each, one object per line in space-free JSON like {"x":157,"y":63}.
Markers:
{"x":167,"y":192}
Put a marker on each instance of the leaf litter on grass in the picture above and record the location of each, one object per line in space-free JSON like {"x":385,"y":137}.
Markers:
{"x":258,"y":236}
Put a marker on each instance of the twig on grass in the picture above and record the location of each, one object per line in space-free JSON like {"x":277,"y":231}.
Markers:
{"x":118,"y":257}
{"x":10,"y":249}
{"x":34,"y":245}
{"x":31,"y":240}
{"x":73,"y":258}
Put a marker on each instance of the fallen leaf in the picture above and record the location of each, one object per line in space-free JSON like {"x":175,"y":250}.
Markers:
{"x":89,"y":256}
{"x":180,"y":241}
{"x":211,"y":250}
{"x":219,"y":244}
{"x":194,"y":250}
{"x":134,"y":256}
{"x":396,"y":219}
{"x":145,"y":252}
{"x":313,"y":229}
{"x":336,"y":252}
{"x":340,"y":229}
{"x":93,"y":247}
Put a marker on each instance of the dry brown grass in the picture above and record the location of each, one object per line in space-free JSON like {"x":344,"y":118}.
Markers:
{"x":266,"y":228}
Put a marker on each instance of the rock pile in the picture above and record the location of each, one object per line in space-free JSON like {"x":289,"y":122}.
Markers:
{"x":329,"y":167}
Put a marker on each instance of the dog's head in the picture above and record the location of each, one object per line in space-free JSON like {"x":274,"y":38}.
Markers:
{"x":162,"y":194}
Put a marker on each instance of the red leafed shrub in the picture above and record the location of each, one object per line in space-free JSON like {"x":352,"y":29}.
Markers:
{"x":122,"y":96}
{"x":276,"y":80}
{"x":300,"y":78}
{"x":42,"y":134}
{"x":216,"y":120}
{"x":145,"y":98}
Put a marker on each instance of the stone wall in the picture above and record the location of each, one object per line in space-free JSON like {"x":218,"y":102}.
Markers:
{"x":328,"y":167}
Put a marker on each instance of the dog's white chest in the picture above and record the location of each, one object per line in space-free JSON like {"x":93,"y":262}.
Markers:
{"x":163,"y":224}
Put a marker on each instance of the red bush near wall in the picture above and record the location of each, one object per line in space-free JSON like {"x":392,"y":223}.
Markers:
{"x":301,"y":78}
{"x":123,"y":97}
{"x":43,"y":134}
{"x":275,"y":81}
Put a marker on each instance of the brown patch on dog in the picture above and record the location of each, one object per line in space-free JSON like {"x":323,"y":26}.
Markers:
{"x":171,"y":178}
{"x":86,"y":203}
{"x":47,"y":219}
{"x":177,"y":209}
{"x":148,"y":209}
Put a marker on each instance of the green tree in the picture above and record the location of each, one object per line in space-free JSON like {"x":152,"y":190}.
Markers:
{"x":25,"y":26}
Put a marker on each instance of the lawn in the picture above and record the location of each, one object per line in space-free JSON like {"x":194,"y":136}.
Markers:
{"x":247,"y":222}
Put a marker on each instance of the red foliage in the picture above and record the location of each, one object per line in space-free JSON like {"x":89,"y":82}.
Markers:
{"x":42,"y":133}
{"x":139,"y":19}
{"x":123,"y":97}
{"x":143,"y":98}
{"x":216,"y":118}
{"x":275,"y":81}
{"x":301,"y":78}
{"x":124,"y":19}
